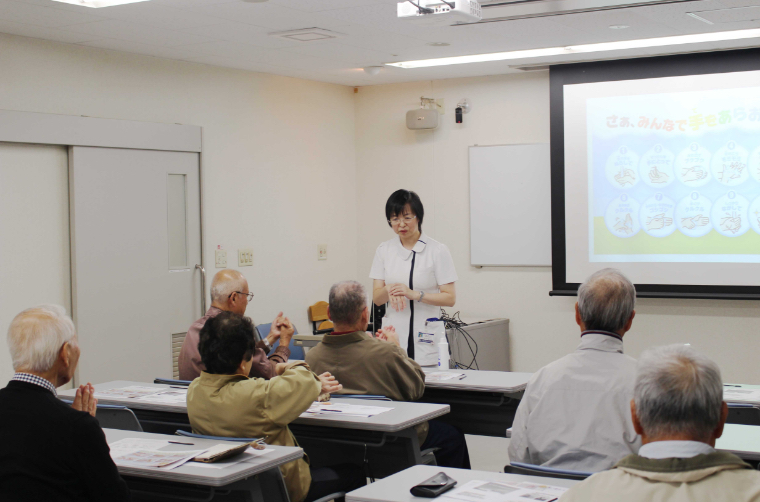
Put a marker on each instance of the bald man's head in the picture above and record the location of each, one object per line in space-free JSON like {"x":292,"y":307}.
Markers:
{"x":225,"y":283}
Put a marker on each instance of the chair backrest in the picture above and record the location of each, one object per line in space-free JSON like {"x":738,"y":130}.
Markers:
{"x":111,"y":416}
{"x":318,"y":312}
{"x":325,"y":325}
{"x":744,"y":414}
{"x":296,"y":351}
{"x":547,"y":472}
{"x":215,"y":438}
{"x":169,"y":381}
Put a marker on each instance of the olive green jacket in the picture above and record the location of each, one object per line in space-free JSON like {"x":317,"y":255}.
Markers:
{"x":366,"y":365}
{"x":719,"y":476}
{"x":238,"y":406}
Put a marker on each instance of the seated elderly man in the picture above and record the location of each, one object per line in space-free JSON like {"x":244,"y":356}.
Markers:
{"x":365,"y":365}
{"x":224,"y":401}
{"x":50,"y":450}
{"x":574,"y":413}
{"x":679,"y":411}
{"x":229,"y":293}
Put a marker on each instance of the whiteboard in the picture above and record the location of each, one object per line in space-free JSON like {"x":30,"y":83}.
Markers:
{"x":510,"y":205}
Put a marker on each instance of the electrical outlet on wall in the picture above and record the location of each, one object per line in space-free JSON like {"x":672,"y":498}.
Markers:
{"x":322,"y":252}
{"x":220,"y":258}
{"x":245,"y":257}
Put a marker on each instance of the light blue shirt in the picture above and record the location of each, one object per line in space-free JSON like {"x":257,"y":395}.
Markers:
{"x":675,"y":449}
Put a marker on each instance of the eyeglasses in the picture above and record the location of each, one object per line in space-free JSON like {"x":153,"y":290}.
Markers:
{"x":249,"y":295}
{"x":406,"y":219}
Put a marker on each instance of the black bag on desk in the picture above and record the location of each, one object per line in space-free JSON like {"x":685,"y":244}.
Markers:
{"x":434,"y":486}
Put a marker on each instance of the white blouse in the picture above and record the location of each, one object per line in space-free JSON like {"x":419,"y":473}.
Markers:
{"x":433,"y":266}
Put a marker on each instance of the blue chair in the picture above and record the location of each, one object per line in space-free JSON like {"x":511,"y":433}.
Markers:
{"x":547,"y":472}
{"x":115,"y":417}
{"x":326,"y":498}
{"x":169,"y":381}
{"x":296,"y":352}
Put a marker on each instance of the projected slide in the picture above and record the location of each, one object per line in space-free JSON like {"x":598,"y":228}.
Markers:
{"x":675,"y":176}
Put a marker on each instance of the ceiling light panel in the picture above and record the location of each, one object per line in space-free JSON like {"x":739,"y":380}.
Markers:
{"x":96,"y":4}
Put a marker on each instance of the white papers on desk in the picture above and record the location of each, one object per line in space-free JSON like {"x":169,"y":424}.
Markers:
{"x":247,"y":455}
{"x":342,"y":409}
{"x":441,"y":376}
{"x":138,"y":452}
{"x":495,"y":491}
{"x":741,"y":395}
{"x":131,"y":392}
{"x":171,"y":396}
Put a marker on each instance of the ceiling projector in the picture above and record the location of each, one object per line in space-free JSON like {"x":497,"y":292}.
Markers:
{"x":440,"y":12}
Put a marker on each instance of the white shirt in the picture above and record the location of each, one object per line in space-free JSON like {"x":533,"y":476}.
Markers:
{"x":576,"y":413}
{"x":675,"y":449}
{"x":433,"y":266}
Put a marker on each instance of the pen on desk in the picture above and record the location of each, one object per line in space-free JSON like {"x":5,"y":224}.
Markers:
{"x":177,"y":387}
{"x":729,"y":385}
{"x":462,"y":377}
{"x":177,"y":442}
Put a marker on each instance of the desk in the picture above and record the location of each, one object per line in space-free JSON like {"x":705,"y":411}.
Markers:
{"x":259,"y":478}
{"x":483,"y":403}
{"x":307,"y":341}
{"x":741,"y":440}
{"x":396,"y":488}
{"x":746,"y":411}
{"x":388,"y":440}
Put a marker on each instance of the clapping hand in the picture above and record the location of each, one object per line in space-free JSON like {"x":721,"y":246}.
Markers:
{"x":397,"y":295}
{"x":281,"y":327}
{"x":388,"y":334}
{"x":329,"y":383}
{"x":85,"y":399}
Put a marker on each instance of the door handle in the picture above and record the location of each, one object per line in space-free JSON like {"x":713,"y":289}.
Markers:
{"x":203,"y":288}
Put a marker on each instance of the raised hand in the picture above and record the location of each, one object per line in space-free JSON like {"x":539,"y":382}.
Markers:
{"x":388,"y":334}
{"x":329,"y":383}
{"x":85,"y":400}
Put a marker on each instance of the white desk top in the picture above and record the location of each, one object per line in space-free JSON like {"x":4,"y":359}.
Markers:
{"x":402,"y":416}
{"x":483,"y":381}
{"x":192,"y":474}
{"x":396,"y":488}
{"x":741,"y":440}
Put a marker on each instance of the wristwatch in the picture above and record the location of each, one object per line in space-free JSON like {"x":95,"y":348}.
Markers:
{"x":422,"y":295}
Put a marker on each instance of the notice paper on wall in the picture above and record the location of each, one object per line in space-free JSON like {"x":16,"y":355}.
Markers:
{"x":493,"y":491}
{"x":342,"y":409}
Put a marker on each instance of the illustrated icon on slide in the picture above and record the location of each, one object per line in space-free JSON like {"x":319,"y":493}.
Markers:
{"x":656,"y":167}
{"x":622,"y":216}
{"x":730,"y":215}
{"x":729,"y":164}
{"x":754,"y":164}
{"x":754,"y":215}
{"x":657,"y":215}
{"x":622,"y":167}
{"x":693,"y":215}
{"x":692,"y":166}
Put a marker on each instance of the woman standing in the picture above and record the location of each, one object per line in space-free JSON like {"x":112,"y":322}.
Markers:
{"x":414,"y":274}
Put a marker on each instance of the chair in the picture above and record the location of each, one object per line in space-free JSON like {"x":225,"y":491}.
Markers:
{"x":115,"y":417}
{"x":743,"y":413}
{"x":169,"y":381}
{"x":296,"y":351}
{"x":547,"y":472}
{"x":326,"y":498}
{"x":318,"y":314}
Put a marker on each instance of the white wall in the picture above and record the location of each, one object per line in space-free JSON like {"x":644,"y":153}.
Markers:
{"x":34,"y":234}
{"x":278,"y":155}
{"x":510,"y":109}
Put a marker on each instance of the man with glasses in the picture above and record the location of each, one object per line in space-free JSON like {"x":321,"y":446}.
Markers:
{"x":229,"y":293}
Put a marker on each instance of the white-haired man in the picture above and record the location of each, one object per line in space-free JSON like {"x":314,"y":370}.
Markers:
{"x":50,"y":450}
{"x":679,"y":411}
{"x":230,"y":293}
{"x":574,"y":413}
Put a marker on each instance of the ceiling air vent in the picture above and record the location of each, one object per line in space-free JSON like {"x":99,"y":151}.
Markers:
{"x":307,"y":34}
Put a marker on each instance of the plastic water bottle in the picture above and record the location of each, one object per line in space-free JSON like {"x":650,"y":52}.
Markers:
{"x":443,"y":355}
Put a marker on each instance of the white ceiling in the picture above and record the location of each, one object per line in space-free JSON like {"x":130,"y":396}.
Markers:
{"x":234,"y":34}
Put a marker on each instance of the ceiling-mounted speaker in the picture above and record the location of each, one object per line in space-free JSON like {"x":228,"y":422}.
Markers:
{"x":422,"y":118}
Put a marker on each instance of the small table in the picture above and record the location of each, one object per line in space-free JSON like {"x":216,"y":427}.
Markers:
{"x":396,"y":488}
{"x":307,"y":341}
{"x":258,"y":477}
{"x":483,"y":403}
{"x":741,"y":440}
{"x":387,"y":441}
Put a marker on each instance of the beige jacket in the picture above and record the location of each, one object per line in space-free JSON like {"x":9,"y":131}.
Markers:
{"x":366,"y":365}
{"x":719,"y":476}
{"x":238,"y":406}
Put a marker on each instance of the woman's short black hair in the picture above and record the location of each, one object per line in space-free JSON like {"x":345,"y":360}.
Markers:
{"x":398,"y":201}
{"x":225,"y":341}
